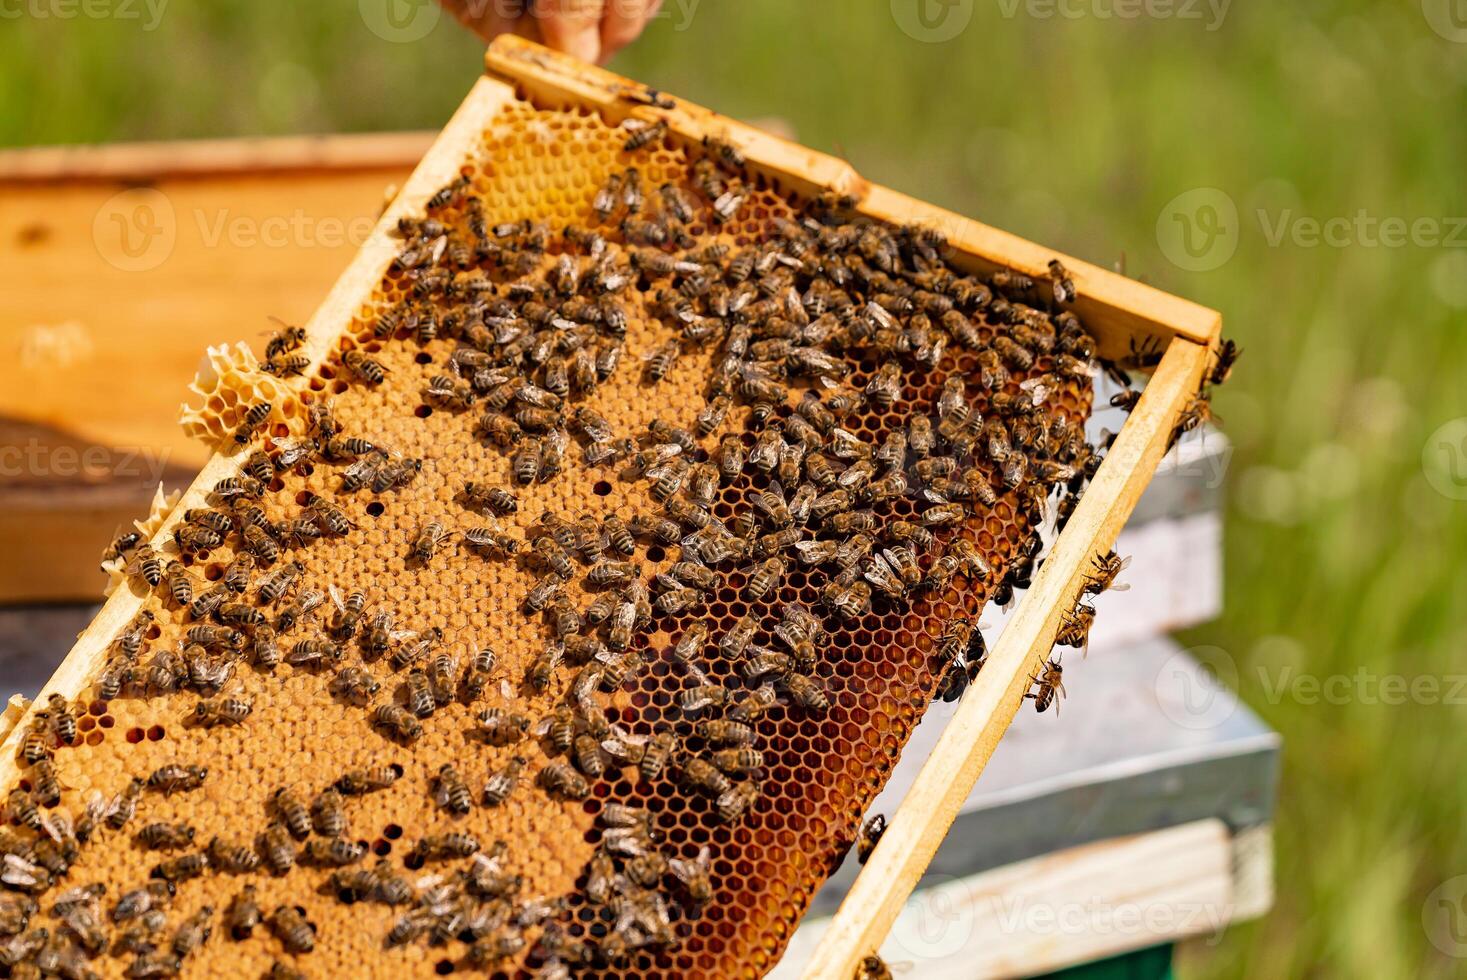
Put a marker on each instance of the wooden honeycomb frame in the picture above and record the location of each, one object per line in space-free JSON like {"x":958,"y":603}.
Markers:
{"x":1118,"y":311}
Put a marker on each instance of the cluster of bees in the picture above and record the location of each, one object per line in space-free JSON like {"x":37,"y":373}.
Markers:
{"x":538,"y":319}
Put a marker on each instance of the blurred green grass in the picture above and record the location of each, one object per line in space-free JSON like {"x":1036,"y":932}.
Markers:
{"x":1076,"y":133}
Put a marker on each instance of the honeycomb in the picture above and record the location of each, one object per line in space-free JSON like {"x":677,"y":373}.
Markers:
{"x":162,"y":505}
{"x":228,"y":382}
{"x":877,"y":667}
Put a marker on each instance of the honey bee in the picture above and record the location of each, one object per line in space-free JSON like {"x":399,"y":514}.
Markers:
{"x":292,"y":812}
{"x":588,"y":755}
{"x":733,"y":643}
{"x":419,"y":694}
{"x":751,"y":705}
{"x":655,"y":754}
{"x":237,"y":573}
{"x":1074,"y":630}
{"x":266,"y":648}
{"x":378,"y":640}
{"x":63,"y":722}
{"x":181,"y":868}
{"x":738,"y":762}
{"x":180,"y":585}
{"x":633,"y":196}
{"x":724,"y":732}
{"x":873,"y":967}
{"x":243,"y":914}
{"x":278,"y":583}
{"x":661,"y":360}
{"x":333,"y":852}
{"x":1107,"y":567}
{"x":173,"y":778}
{"x":397,"y":723}
{"x":363,"y":367}
{"x":734,"y":802}
{"x":502,"y":430}
{"x":232,"y":858}
{"x":260,"y":545}
{"x":645,"y":136}
{"x":1050,"y":680}
{"x":428,"y":541}
{"x":314,"y":653}
{"x":253,"y":418}
{"x":391,"y":888}
{"x":871,"y":832}
{"x":695,"y":699}
{"x":147,"y":563}
{"x":327,"y":814}
{"x":139,"y":901}
{"x":45,"y":789}
{"x":1226,"y":356}
{"x":414,"y":647}
{"x":359,"y":782}
{"x":226,"y":711}
{"x":441,"y":199}
{"x":237,"y":487}
{"x":501,"y":727}
{"x":37,"y":742}
{"x":806,"y":692}
{"x":443,"y":847}
{"x":119,"y":811}
{"x":608,"y":197}
{"x":120,"y":547}
{"x":293,"y":930}
{"x":476,"y":674}
{"x":526,"y":462}
{"x":277,"y":849}
{"x":559,"y":778}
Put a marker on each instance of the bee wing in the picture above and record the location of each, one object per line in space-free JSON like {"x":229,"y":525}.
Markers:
{"x":57,"y":825}
{"x":542,"y":727}
{"x":402,"y":636}
{"x":336,"y":596}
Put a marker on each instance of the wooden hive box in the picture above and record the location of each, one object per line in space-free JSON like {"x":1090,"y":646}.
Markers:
{"x":525,"y":80}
